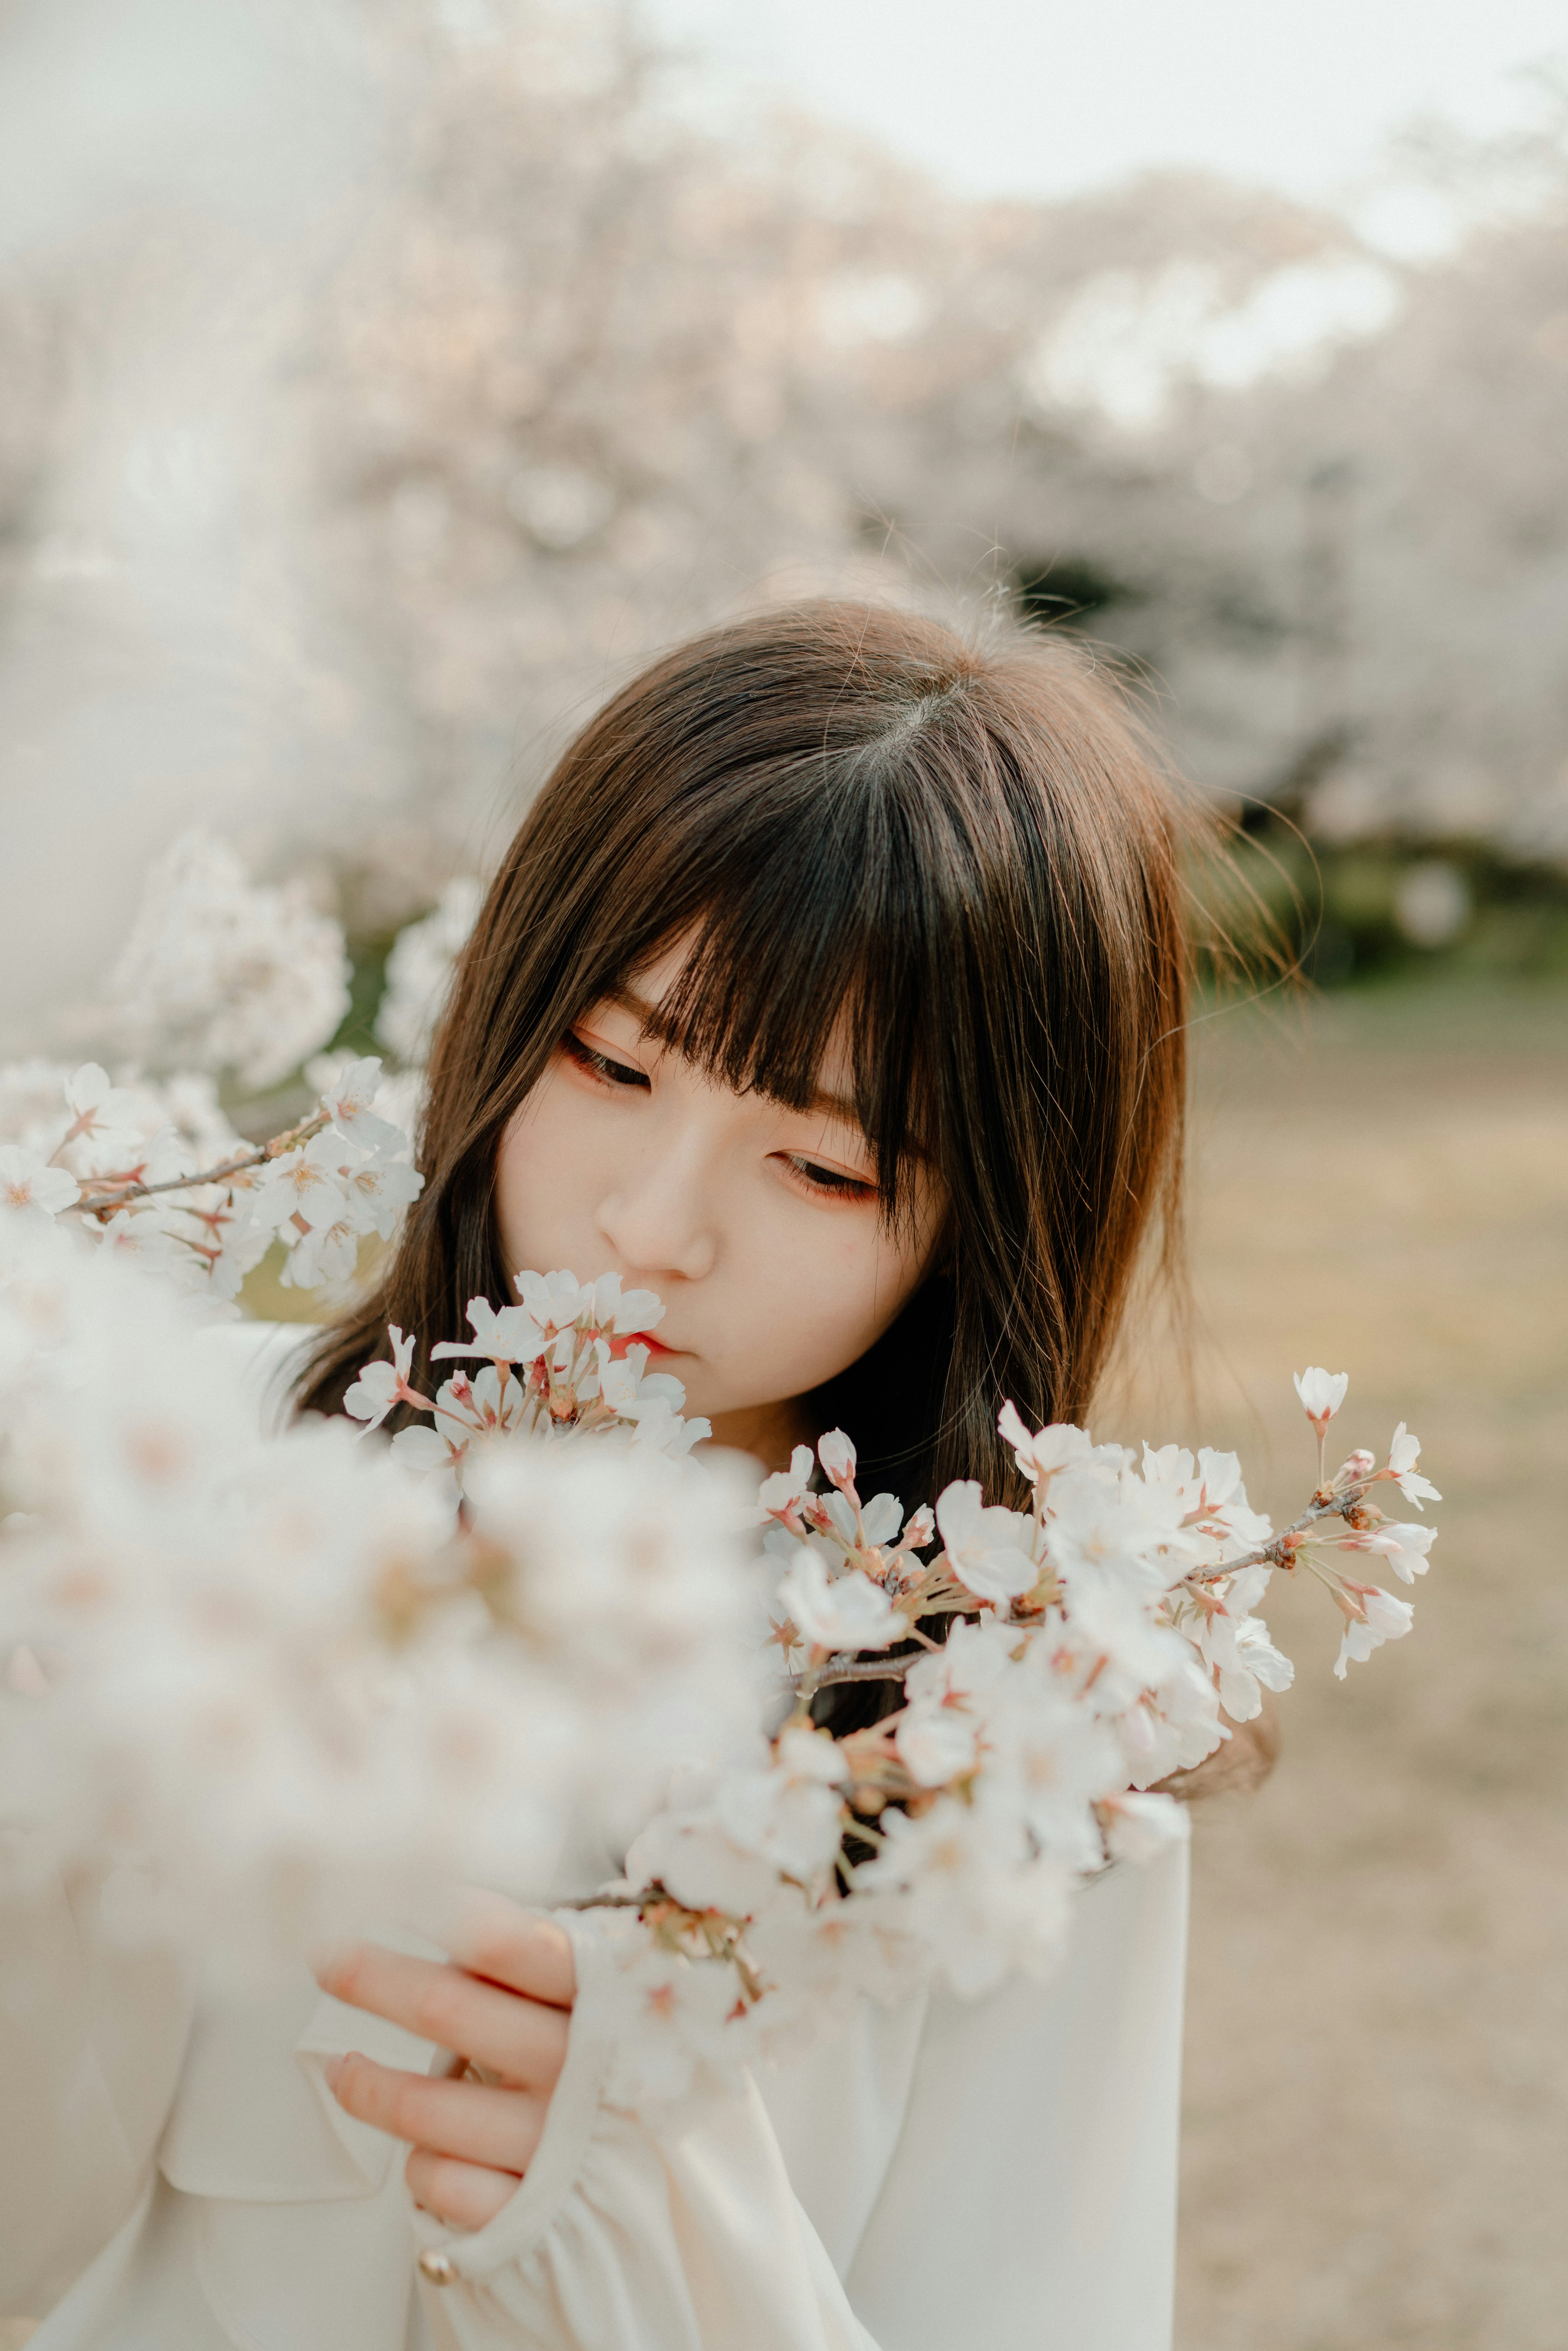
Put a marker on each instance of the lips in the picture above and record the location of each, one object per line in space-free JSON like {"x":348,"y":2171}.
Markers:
{"x":656,"y":1347}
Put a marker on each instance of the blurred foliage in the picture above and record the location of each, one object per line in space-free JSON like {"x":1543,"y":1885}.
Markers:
{"x":1345,"y":912}
{"x":368,"y":962}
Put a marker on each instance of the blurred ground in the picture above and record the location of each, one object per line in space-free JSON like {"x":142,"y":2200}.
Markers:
{"x":1376,"y":2136}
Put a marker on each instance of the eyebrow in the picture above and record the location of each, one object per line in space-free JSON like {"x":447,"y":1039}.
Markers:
{"x":652,"y":1022}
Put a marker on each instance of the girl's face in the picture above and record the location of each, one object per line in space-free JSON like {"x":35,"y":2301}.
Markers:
{"x":758,"y":1225}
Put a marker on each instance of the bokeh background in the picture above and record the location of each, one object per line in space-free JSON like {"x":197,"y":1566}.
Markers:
{"x":382,"y":380}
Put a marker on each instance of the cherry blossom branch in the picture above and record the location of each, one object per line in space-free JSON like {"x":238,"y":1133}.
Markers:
{"x":111,"y":1194}
{"x":1280,"y":1550}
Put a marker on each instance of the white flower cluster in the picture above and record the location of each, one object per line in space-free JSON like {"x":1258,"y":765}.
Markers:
{"x":564,"y":1361}
{"x":128,"y":1161}
{"x":290,"y":1681}
{"x":420,"y":968}
{"x":276,"y":1687}
{"x":219,"y":974}
{"x":1092,"y":1641}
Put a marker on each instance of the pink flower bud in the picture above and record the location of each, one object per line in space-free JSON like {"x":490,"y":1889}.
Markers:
{"x":837,"y":1456}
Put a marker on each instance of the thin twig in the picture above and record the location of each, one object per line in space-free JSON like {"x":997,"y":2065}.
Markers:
{"x":1279,"y":1550}
{"x":864,"y":1669}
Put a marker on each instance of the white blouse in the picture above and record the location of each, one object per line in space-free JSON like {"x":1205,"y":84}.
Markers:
{"x":999,"y":2173}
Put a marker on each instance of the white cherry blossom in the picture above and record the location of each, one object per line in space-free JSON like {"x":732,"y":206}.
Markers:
{"x":146,"y":1240}
{"x":303,"y":1184}
{"x":937,"y":1743}
{"x":379,"y":1189}
{"x":510,"y":1336}
{"x":425,"y":1450}
{"x":1404,"y":1453}
{"x":623,"y":1312}
{"x":1321,"y":1393}
{"x":984,"y":1905}
{"x":780,"y":1495}
{"x":1403,"y":1546}
{"x":792,"y":1813}
{"x":667,"y":2019}
{"x":328,"y":1253}
{"x":847,"y":1612}
{"x":31,"y":1188}
{"x":349,"y":1100}
{"x":558,"y":1302}
{"x":1045,"y":1450}
{"x":691,"y":1854}
{"x":879,"y":1519}
{"x":970,"y":1661}
{"x":1111,"y":1523}
{"x":1235,"y":1646}
{"x":837,"y":1456}
{"x":989,"y":1550}
{"x":381,"y":1385}
{"x":1047,"y":1758}
{"x":105,"y":1114}
{"x":1377,"y":1618}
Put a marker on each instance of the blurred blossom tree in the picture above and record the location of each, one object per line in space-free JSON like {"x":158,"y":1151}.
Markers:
{"x":576,"y":372}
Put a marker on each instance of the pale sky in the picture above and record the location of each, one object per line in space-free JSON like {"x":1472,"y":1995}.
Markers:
{"x":1045,"y":97}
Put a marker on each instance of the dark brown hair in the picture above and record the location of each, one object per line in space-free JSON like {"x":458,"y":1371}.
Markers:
{"x":967,"y":852}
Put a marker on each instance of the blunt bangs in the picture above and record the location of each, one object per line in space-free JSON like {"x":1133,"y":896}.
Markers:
{"x":814,"y":935}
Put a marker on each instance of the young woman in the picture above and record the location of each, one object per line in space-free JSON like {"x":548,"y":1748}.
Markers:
{"x":835,"y":987}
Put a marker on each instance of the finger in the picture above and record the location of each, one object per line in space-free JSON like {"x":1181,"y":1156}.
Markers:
{"x":520,"y":1948}
{"x":466,"y":2119}
{"x":463,"y":2195}
{"x":507,"y":2033}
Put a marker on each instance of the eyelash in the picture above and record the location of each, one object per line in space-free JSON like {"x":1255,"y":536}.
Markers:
{"x":599,"y":1065}
{"x":825,"y":1182}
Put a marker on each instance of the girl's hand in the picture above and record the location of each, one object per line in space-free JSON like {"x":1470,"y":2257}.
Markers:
{"x":503,"y":2004}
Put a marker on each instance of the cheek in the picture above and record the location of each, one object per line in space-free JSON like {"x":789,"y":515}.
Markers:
{"x":540,"y":1179}
{"x":822,"y":1308}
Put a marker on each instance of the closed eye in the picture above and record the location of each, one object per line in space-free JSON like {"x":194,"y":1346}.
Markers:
{"x":828,"y":1182}
{"x":600,"y":1067}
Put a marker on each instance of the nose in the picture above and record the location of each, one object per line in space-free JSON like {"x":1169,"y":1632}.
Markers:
{"x":659,"y":1219}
